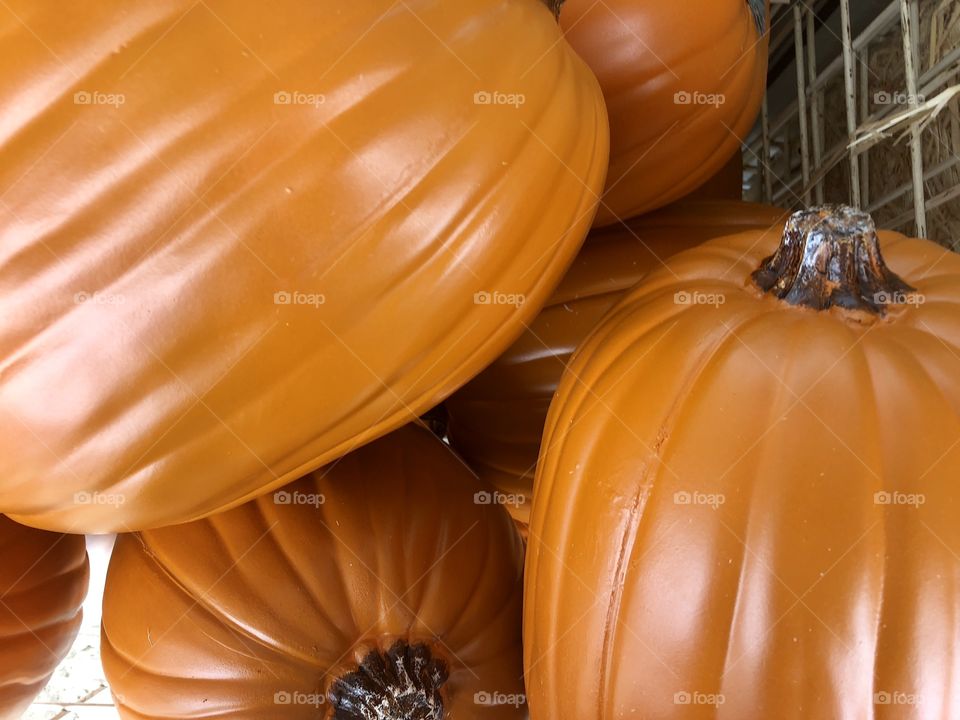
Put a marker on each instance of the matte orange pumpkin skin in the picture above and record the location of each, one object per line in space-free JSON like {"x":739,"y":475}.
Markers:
{"x":274,"y":598}
{"x":648,"y":56}
{"x":43,"y":581}
{"x":254,"y":234}
{"x":496,"y":420}
{"x":727,"y":522}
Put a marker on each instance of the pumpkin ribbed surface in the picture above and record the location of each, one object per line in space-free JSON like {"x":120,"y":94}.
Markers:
{"x":256,"y":235}
{"x":759,"y":519}
{"x":281,"y":607}
{"x":43,"y":581}
{"x":496,"y":420}
{"x":683,"y":83}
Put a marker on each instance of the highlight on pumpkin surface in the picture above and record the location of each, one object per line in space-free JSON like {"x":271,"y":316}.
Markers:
{"x":747,"y":466}
{"x":268,"y":235}
{"x":479,"y":360}
{"x":386,"y":585}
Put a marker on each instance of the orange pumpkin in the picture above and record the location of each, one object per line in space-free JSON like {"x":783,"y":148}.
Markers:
{"x":242,"y":239}
{"x":747,"y":503}
{"x":43,"y":581}
{"x":384,"y":586}
{"x":683,"y":83}
{"x":496,"y":420}
{"x":727,"y":184}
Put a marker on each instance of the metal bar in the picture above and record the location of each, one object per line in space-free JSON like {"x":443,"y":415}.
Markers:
{"x":909,"y":20}
{"x":849,"y":82}
{"x":801,"y":100}
{"x":880,"y":24}
{"x":863,"y":61}
{"x":908,"y":186}
{"x":816,"y":100}
{"x":935,"y":202}
{"x":766,"y":169}
{"x":930,"y":82}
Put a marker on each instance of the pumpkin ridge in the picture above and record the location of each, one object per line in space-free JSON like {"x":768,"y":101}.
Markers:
{"x":293,"y":568}
{"x":658,"y":448}
{"x":55,"y":623}
{"x":625,"y":553}
{"x":775,"y":406}
{"x":86,"y":73}
{"x":687,"y":388}
{"x":212,"y":609}
{"x":877,"y":435}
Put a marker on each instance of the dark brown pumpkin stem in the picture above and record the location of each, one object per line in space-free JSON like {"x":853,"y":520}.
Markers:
{"x":830,"y":257}
{"x":554,"y":6}
{"x":404,"y":682}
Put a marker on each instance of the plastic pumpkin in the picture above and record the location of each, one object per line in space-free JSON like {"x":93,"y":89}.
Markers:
{"x":761,"y":518}
{"x":241,"y":239}
{"x":496,"y":420}
{"x":683,"y":83}
{"x":385,"y":586}
{"x":43,"y":581}
{"x":727,"y":184}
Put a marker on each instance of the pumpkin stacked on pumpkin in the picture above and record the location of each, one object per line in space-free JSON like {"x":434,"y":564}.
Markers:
{"x":294,"y":229}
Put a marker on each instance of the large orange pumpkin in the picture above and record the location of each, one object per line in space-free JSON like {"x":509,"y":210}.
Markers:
{"x":43,"y":581}
{"x":384,"y":586}
{"x":496,"y":420}
{"x":747,"y":505}
{"x":683,"y":83}
{"x":726,"y":184}
{"x":241,"y":239}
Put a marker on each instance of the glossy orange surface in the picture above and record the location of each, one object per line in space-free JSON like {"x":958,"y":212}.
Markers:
{"x":496,"y":420}
{"x":257,"y":612}
{"x":683,"y":83}
{"x":241,"y":239}
{"x":43,"y":581}
{"x":749,"y":509}
{"x":726,"y":184}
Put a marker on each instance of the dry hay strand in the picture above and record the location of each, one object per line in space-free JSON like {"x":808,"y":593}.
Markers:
{"x":889,"y":163}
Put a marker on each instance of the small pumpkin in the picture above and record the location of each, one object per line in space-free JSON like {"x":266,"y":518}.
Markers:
{"x":683,"y":83}
{"x":258,"y":235}
{"x":381,"y":587}
{"x":496,"y":420}
{"x":747,"y":503}
{"x":43,"y":581}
